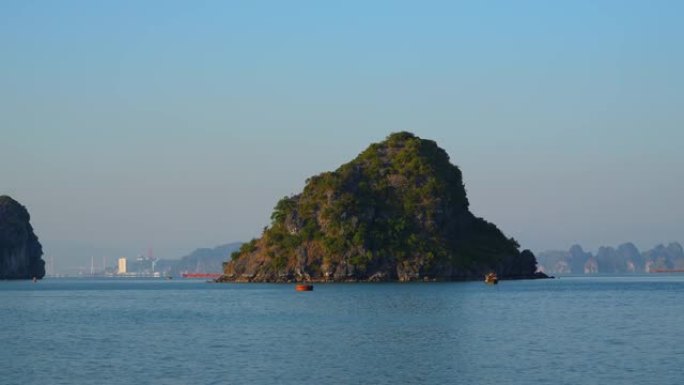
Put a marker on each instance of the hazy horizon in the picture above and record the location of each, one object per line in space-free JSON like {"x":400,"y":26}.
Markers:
{"x":173,"y":126}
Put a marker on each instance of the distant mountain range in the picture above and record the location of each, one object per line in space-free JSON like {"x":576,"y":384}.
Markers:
{"x":204,"y":260}
{"x":625,"y":258}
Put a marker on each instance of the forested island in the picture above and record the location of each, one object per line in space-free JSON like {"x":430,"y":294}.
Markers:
{"x":20,"y":250}
{"x":397,"y":212}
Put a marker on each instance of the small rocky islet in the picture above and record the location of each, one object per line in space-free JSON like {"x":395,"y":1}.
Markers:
{"x":20,"y":250}
{"x":397,"y":212}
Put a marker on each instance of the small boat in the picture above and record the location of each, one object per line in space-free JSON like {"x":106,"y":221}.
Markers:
{"x":491,"y":279}
{"x":304,"y":287}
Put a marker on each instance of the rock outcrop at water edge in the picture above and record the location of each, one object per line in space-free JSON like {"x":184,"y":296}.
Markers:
{"x":20,"y":251}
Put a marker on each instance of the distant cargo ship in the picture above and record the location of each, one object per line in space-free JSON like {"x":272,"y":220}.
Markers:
{"x":201,"y":275}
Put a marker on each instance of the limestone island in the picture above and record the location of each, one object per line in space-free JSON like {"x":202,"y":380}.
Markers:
{"x":398,"y":212}
{"x":20,"y":251}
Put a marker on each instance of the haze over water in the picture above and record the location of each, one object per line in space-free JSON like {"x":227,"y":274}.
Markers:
{"x":588,"y":330}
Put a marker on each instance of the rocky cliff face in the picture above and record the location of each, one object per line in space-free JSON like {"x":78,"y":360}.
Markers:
{"x":20,"y":251}
{"x":398,"y":211}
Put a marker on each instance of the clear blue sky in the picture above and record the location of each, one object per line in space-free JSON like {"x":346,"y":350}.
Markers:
{"x":178,"y":124}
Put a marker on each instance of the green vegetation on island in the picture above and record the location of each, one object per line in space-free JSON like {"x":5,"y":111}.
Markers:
{"x":398,"y":212}
{"x":20,"y":251}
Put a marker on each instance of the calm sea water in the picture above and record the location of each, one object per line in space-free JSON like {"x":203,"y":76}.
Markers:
{"x":600,"y":330}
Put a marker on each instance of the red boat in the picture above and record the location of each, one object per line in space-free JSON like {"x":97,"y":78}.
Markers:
{"x":304,"y":287}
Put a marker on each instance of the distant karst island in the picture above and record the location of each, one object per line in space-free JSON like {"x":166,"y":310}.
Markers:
{"x":398,"y":212}
{"x":623,"y":259}
{"x":20,"y":251}
{"x":203,"y":260}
